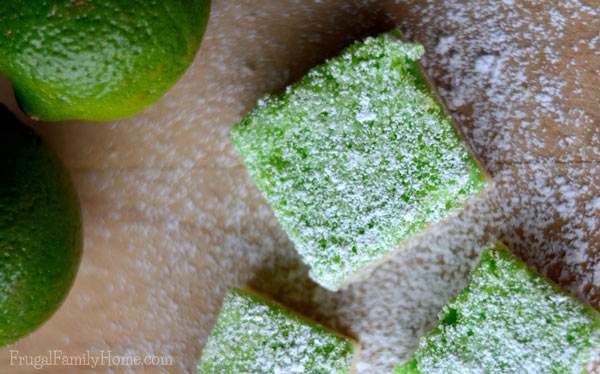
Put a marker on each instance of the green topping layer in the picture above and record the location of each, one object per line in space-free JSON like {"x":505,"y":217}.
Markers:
{"x":254,"y":335}
{"x":509,"y":320}
{"x":356,"y":157}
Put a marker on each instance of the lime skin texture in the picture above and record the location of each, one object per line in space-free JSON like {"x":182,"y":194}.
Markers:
{"x":97,"y":60}
{"x":509,"y":320}
{"x":40,"y":231}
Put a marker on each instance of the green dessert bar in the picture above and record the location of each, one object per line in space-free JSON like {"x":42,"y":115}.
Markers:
{"x":255,"y":335}
{"x":356,"y":157}
{"x":509,"y":320}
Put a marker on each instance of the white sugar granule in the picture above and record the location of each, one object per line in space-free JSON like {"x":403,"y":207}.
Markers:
{"x":183,"y":216}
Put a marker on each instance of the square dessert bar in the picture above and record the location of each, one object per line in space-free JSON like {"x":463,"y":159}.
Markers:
{"x":356,"y":157}
{"x":509,"y":320}
{"x":254,"y":335}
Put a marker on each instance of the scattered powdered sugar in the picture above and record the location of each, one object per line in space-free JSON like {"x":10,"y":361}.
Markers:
{"x":172,"y":219}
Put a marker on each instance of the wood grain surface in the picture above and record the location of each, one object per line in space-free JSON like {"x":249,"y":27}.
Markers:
{"x":172,"y":220}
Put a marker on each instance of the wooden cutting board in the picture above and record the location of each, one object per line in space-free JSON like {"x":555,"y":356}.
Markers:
{"x":172,"y":219}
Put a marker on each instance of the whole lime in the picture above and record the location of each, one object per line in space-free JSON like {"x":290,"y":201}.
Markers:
{"x":96,"y":60}
{"x":40,"y":230}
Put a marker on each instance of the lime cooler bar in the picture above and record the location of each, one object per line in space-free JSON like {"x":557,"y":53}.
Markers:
{"x":509,"y":320}
{"x":255,"y":335}
{"x":356,"y":157}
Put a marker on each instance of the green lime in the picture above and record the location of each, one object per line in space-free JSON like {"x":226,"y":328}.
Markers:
{"x":40,"y":230}
{"x":97,"y":59}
